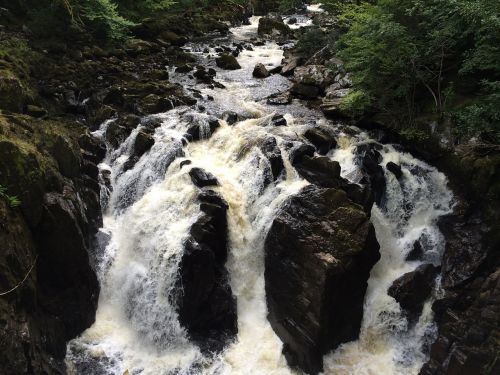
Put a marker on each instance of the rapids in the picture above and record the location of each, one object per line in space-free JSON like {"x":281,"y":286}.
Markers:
{"x":150,"y":208}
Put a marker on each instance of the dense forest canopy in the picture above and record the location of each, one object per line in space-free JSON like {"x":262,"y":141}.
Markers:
{"x":410,"y":61}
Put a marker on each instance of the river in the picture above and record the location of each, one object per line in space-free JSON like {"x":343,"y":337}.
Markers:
{"x":150,"y":208}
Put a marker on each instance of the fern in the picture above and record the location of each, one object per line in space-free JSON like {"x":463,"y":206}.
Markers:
{"x":12,"y":201}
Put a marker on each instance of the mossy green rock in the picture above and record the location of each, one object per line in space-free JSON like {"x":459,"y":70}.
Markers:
{"x":13,"y":95}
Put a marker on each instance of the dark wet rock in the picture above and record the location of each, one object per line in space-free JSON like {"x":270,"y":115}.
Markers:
{"x":298,"y":153}
{"x":276,"y":70}
{"x":153,"y":103}
{"x":292,"y":20}
{"x":305,"y":91}
{"x":283,"y":98}
{"x":318,"y":255}
{"x":67,"y":160}
{"x":278,"y":120}
{"x":321,"y":139}
{"x":413,"y":288}
{"x":227,"y":62}
{"x":416,"y":253}
{"x":260,"y":71}
{"x":320,"y":170}
{"x":465,"y":249}
{"x":206,"y":305}
{"x":92,"y":148}
{"x":369,"y":158}
{"x":68,"y":289}
{"x":142,"y":144}
{"x":197,"y":130}
{"x":273,"y":27}
{"x":394,"y":169}
{"x":202,"y":178}
{"x":272,"y":152}
{"x":231,"y":117}
{"x":185,"y":162}
{"x":204,"y":75}
{"x":120,"y":129}
{"x":468,"y":319}
{"x":184,"y":68}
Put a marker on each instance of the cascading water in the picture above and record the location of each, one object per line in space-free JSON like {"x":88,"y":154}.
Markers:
{"x":150,"y":208}
{"x":388,"y":344}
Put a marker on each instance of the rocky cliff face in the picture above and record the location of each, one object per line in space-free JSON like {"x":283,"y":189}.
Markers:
{"x":469,"y":314}
{"x":44,"y":258}
{"x":319,"y":253}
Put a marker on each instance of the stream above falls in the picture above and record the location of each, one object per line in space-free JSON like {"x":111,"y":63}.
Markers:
{"x":151,"y":206}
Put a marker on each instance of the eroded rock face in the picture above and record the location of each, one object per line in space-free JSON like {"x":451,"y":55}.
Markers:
{"x":46,"y":238}
{"x":207,"y":307}
{"x":319,"y":252}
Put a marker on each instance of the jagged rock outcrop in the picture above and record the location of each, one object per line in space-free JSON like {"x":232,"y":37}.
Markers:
{"x":318,"y":255}
{"x":206,"y":305}
{"x":271,"y":151}
{"x":311,"y":81}
{"x":413,"y":288}
{"x":46,"y":239}
{"x":374,"y":177}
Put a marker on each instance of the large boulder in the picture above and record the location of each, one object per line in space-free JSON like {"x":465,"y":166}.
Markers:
{"x":227,"y":62}
{"x":272,"y":152}
{"x":320,"y":170}
{"x":368,"y":158}
{"x":273,"y":27}
{"x":305,"y":91}
{"x":260,"y":71}
{"x":413,"y":288}
{"x":322,"y":139}
{"x":206,"y":305}
{"x":314,"y":75}
{"x":202,"y":178}
{"x":318,"y":255}
{"x":68,"y":288}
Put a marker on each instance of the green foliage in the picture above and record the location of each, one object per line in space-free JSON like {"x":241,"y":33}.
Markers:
{"x":312,"y":41}
{"x":356,"y":103}
{"x":481,"y":119}
{"x":289,"y":4}
{"x":411,"y":55}
{"x":102,"y":17}
{"x":12,"y":201}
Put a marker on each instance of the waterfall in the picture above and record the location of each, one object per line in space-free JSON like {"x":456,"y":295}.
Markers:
{"x":150,"y":208}
{"x":387,"y":343}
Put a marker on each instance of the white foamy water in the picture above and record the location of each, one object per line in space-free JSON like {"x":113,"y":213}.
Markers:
{"x":151,"y":207}
{"x":387,"y":343}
